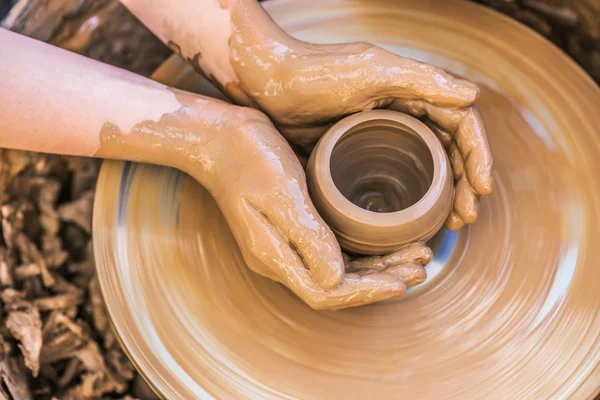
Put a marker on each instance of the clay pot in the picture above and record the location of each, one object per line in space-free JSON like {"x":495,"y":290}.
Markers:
{"x":381,"y":180}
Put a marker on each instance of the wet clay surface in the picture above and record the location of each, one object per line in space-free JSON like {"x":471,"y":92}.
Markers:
{"x":511,"y":306}
{"x":306,"y":86}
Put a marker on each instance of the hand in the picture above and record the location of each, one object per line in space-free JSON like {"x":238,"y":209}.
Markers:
{"x":257,"y":181}
{"x":305,"y":88}
{"x":261,"y":189}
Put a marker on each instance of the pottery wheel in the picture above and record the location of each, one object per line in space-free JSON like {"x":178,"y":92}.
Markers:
{"x":511,"y":309}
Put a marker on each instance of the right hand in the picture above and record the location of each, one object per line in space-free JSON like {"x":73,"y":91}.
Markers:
{"x":257,"y":181}
{"x":261,"y":189}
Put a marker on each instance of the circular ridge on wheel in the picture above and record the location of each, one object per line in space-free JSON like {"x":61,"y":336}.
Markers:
{"x":511,"y":308}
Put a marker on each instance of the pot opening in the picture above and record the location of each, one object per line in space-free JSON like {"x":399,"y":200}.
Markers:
{"x":382,"y":166}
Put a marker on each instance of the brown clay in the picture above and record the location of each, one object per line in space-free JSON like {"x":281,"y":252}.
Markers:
{"x":510,"y":310}
{"x":381,"y":180}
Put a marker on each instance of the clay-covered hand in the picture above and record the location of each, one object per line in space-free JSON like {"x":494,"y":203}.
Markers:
{"x":261,"y":189}
{"x":257,"y":181}
{"x":304,"y":88}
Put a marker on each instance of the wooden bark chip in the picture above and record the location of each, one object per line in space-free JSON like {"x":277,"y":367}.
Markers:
{"x":55,"y":335}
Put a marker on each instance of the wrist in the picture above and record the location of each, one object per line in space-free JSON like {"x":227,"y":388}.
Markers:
{"x":257,"y":46}
{"x":189,"y":137}
{"x":216,"y":143}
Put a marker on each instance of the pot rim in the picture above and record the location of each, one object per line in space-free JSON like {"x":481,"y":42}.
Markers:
{"x":356,"y":215}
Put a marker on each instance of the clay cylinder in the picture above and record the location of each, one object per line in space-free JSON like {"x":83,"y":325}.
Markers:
{"x":381,"y":180}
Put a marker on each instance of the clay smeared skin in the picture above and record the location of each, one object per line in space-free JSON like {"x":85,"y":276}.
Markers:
{"x":260,"y":186}
{"x":305,"y":87}
{"x":308,"y":85}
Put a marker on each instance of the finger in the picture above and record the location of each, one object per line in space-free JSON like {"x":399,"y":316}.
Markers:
{"x":444,"y":137}
{"x":357,"y":291}
{"x":321,"y":254}
{"x":318,"y":246}
{"x":473,"y":144}
{"x":406,"y":78}
{"x":453,"y":222}
{"x":269,"y":250}
{"x":354,"y":290}
{"x":264,"y":249}
{"x":292,"y":212}
{"x":466,"y":202}
{"x":456,"y":161}
{"x":365,"y":264}
{"x":314,"y":243}
{"x":468,"y":129}
{"x":454,"y":155}
{"x":411,"y":273}
{"x":416,"y":252}
{"x":303,"y":137}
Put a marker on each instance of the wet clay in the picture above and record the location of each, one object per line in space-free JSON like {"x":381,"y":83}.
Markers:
{"x":381,"y":180}
{"x":260,"y":186}
{"x":510,"y":310}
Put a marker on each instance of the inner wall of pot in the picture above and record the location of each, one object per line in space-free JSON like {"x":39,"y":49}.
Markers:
{"x":382,"y":166}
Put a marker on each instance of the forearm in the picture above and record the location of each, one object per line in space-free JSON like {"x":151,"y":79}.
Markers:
{"x":208,"y":32}
{"x":199,"y":30}
{"x":55,"y":101}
